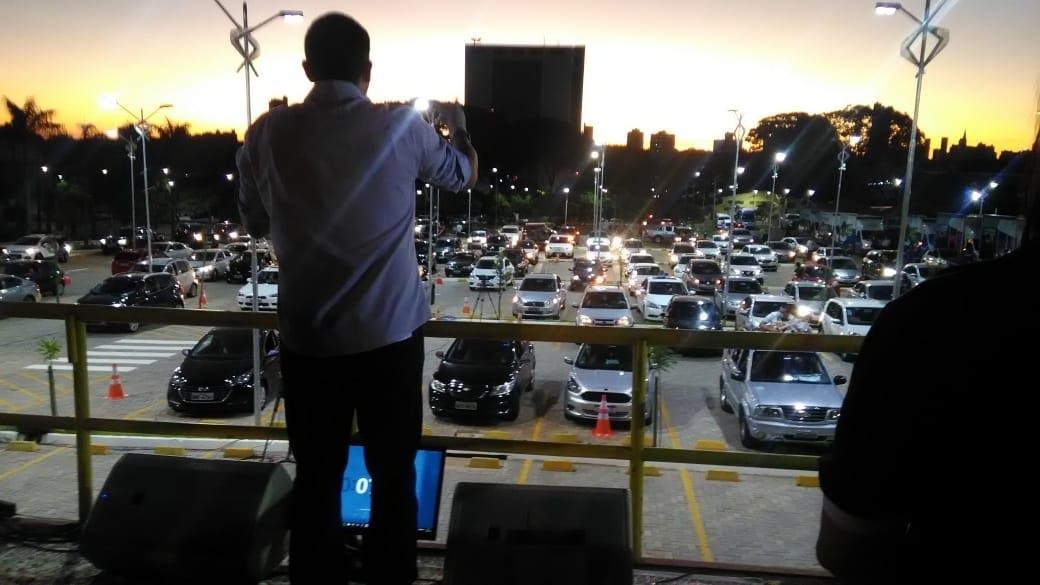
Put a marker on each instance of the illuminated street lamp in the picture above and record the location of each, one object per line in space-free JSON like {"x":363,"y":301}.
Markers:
{"x":778,"y":158}
{"x":920,"y":58}
{"x":843,"y":157}
{"x":566,"y":201}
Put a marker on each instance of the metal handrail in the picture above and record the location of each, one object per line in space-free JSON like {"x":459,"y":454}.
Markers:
{"x":641,"y":337}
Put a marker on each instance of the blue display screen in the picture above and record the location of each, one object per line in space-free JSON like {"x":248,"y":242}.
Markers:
{"x":356,"y":495}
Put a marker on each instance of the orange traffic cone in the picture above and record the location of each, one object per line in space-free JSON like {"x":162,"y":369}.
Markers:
{"x":115,"y":387}
{"x":602,"y":430}
{"x":203,"y":301}
{"x":466,"y":309}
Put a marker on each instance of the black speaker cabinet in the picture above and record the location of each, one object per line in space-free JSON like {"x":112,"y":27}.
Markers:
{"x":503,"y":534}
{"x":184,"y":520}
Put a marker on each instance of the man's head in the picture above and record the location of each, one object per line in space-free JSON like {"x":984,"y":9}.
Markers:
{"x":785,"y":310}
{"x":336,"y":48}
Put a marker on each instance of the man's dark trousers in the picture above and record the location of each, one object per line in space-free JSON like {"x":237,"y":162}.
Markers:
{"x":384,"y":387}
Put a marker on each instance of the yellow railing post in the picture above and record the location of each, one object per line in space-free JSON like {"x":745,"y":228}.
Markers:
{"x":635,"y":465}
{"x":81,"y":395}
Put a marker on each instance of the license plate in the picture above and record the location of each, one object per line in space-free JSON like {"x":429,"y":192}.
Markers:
{"x":460,"y":405}
{"x":202,"y":396}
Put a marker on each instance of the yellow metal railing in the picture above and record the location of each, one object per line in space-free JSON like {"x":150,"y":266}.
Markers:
{"x":637,"y":453}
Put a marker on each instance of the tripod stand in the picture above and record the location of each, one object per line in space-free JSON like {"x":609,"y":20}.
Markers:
{"x":494,"y":304}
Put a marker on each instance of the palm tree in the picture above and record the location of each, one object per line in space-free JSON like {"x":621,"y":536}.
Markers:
{"x":29,"y":126}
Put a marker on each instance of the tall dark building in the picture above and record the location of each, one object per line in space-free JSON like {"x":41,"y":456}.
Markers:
{"x":635,"y":139}
{"x":526,"y":82}
{"x":662,"y":142}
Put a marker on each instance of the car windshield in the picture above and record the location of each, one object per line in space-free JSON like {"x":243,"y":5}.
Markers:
{"x":666,"y":288}
{"x":706,"y":245}
{"x":144,"y":267}
{"x":789,"y":367}
{"x":538,"y":285}
{"x":763,"y":308}
{"x":597,"y":248}
{"x":224,"y":344}
{"x":641,"y":259}
{"x":497,"y":239}
{"x":633,"y":244}
{"x":747,"y":287}
{"x":862,"y":315}
{"x":267,"y":277}
{"x":479,"y":233}
{"x":927,"y":271}
{"x":464,"y":257}
{"x":583,"y":265}
{"x":28,"y":240}
{"x":510,"y":229}
{"x":702,"y":311}
{"x":812,"y":293}
{"x":617,"y":358}
{"x":479,"y":351}
{"x":206,"y":255}
{"x":604,"y":300}
{"x":743,"y":261}
{"x":843,"y":264}
{"x":648,"y":270}
{"x":781,"y":246}
{"x":559,"y":240}
{"x":757,"y":250}
{"x":703,"y":268}
{"x":881,"y":292}
{"x":445,"y":243}
{"x":115,"y":286}
{"x":741,"y":232}
{"x":487,"y":264}
{"x":682,"y":249}
{"x":15,"y":269}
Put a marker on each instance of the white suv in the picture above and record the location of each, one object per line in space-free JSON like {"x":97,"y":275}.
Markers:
{"x":605,"y":306}
{"x":559,"y":246}
{"x":266,"y":291}
{"x":491,"y":272}
{"x":657,"y":292}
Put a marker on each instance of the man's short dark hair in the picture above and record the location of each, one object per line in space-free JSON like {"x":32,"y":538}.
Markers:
{"x":336,"y":47}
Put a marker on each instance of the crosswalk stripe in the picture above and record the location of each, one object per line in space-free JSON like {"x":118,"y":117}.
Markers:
{"x":131,"y":354}
{"x":119,"y":361}
{"x":173,"y":349}
{"x":157,"y":341}
{"x":68,"y":368}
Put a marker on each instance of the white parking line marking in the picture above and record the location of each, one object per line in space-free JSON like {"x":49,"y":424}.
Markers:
{"x":173,"y":349}
{"x":68,"y":368}
{"x":156,"y":342}
{"x":120,"y":361}
{"x":130,"y":354}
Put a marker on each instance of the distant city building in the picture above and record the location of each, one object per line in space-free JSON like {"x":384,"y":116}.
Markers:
{"x":928,"y":148}
{"x":972,"y":155}
{"x":727,"y":144}
{"x":662,"y":142}
{"x":941,"y":152}
{"x":588,"y":134}
{"x":526,"y":83}
{"x":635,"y":139}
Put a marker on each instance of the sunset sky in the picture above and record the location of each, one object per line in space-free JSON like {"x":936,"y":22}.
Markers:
{"x":653,"y":64}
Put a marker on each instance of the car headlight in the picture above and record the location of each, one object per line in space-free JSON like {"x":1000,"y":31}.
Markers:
{"x":31,"y":251}
{"x":584,"y":320}
{"x":243,"y":379}
{"x":68,"y":248}
{"x":625,"y":321}
{"x":834,"y":414}
{"x":802,"y":311}
{"x":119,"y":304}
{"x":503,"y":389}
{"x":673,"y":258}
{"x":556,"y":301}
{"x":575,"y":277}
{"x":888,"y":272}
{"x":121,"y":241}
{"x":102,"y":240}
{"x":176,"y":379}
{"x":769,"y":412}
{"x":572,"y":386}
{"x":436,"y":385}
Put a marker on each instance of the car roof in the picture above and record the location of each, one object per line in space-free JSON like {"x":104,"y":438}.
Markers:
{"x":698,"y":299}
{"x":642,"y":265}
{"x":764,"y":297}
{"x":857,"y":302}
{"x":877,"y":282}
{"x":540,"y":275}
{"x":743,"y":254}
{"x":664,"y":277}
{"x":605,"y":288}
{"x":272,"y":268}
{"x":741,"y":279}
{"x":807,"y":284}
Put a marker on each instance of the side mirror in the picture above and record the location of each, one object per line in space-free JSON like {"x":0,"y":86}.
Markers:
{"x":249,"y":280}
{"x":737,"y":375}
{"x":439,"y":354}
{"x":568,"y":360}
{"x":835,"y":320}
{"x":839,"y":380}
{"x":185,"y":352}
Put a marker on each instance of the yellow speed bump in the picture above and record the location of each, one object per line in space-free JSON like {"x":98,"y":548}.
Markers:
{"x":648,"y":471}
{"x":484,"y":463}
{"x":278,"y":424}
{"x":563,"y":438}
{"x":810,"y":481}
{"x":709,"y":445}
{"x":558,"y":465}
{"x":23,"y":446}
{"x":626,"y":441}
{"x":722,"y":475}
{"x":100,"y":449}
{"x":175,"y":451}
{"x":499,"y":435}
{"x":239,"y":453}
{"x":427,"y":431}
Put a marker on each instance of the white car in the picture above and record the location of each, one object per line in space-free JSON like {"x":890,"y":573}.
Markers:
{"x":708,"y":249}
{"x":597,"y":238}
{"x":559,"y":246}
{"x":849,"y":316}
{"x":745,"y":265}
{"x":683,"y":264}
{"x":721,"y":241}
{"x":765,"y":255}
{"x":641,"y":259}
{"x":491,"y":272}
{"x":656,"y":294}
{"x":210,"y":263}
{"x":637,"y":273}
{"x":478,"y":237}
{"x":632,"y":246}
{"x":604,"y":306}
{"x":921,"y":271}
{"x":33,"y":247}
{"x":800,"y":249}
{"x":512,"y":232}
{"x":599,"y":253}
{"x":172,"y":250}
{"x":266,"y":291}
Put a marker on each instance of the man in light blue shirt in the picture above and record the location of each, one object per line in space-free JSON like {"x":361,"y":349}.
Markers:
{"x":332,"y":180}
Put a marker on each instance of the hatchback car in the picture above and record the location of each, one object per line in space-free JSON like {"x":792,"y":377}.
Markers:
{"x":217,"y":372}
{"x":733,"y":291}
{"x":780,"y":396}
{"x":754,"y":308}
{"x":709,"y":248}
{"x":850,"y":316}
{"x":692,"y":313}
{"x":445,"y":248}
{"x":135,"y":289}
{"x":461,"y":264}
{"x":765,"y":255}
{"x":482,"y":377}
{"x":15,"y":289}
{"x":519,"y":260}
{"x":540,"y":295}
{"x":266,"y":291}
{"x":180,"y":269}
{"x":604,"y":306}
{"x":880,"y":290}
{"x":47,"y":274}
{"x":491,"y":272}
{"x":641,"y":259}
{"x":497,"y":242}
{"x":586,"y":272}
{"x":559,"y":247}
{"x":808,"y":299}
{"x":656,"y":293}
{"x":703,"y":276}
{"x":721,"y":242}
{"x":741,"y":237}
{"x":843,"y":270}
{"x":210,"y":263}
{"x":745,"y":265}
{"x":602,"y":371}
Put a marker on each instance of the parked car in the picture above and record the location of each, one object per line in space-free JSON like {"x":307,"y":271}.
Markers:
{"x":496,"y":243}
{"x":637,"y":273}
{"x":240,"y":265}
{"x":754,"y":308}
{"x":765,"y":256}
{"x":445,"y":248}
{"x":540,"y":295}
{"x":491,"y":272}
{"x":35,"y":247}
{"x":784,"y":251}
{"x":741,"y":237}
{"x":211,"y":263}
{"x":179,"y":268}
{"x":47,"y":274}
{"x":808,"y":299}
{"x":656,"y":293}
{"x":15,"y":289}
{"x":586,"y":272}
{"x":850,"y":316}
{"x":603,"y":371}
{"x":124,"y":260}
{"x":512,"y":232}
{"x":530,"y":249}
{"x":172,"y":250}
{"x":920,"y":271}
{"x":703,"y":276}
{"x":604,"y":306}
{"x":728,"y":298}
{"x":844,"y":271}
{"x":560,"y":247}
{"x":880,"y":290}
{"x":461,"y":264}
{"x":678,"y":249}
{"x":879,"y":264}
{"x":266,"y":291}
{"x":135,"y":289}
{"x":780,"y":396}
{"x":721,"y":241}
{"x":691,"y":313}
{"x":708,"y":249}
{"x":632,"y":246}
{"x":478,"y":237}
{"x":482,"y":377}
{"x":746,"y":265}
{"x":826,"y":252}
{"x":216,"y":374}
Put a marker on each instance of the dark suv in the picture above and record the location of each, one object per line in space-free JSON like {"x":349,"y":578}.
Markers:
{"x":481,"y":377}
{"x":45,"y":273}
{"x":135,"y":289}
{"x":240,"y":266}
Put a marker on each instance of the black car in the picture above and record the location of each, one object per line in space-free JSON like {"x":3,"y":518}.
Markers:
{"x":482,"y":377}
{"x":422,"y":253}
{"x":114,"y":242}
{"x":875,"y":263}
{"x":497,"y":243}
{"x":217,"y":373}
{"x":135,"y":289}
{"x":703,"y":276}
{"x":519,"y":260}
{"x":586,"y":272}
{"x":240,"y":266}
{"x":693,"y":313}
{"x":445,"y":248}
{"x":45,"y":273}
{"x":461,"y":264}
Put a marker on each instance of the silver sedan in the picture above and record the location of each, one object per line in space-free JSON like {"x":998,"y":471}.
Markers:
{"x":15,"y":289}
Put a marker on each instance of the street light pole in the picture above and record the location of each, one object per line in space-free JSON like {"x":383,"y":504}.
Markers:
{"x":131,"y":148}
{"x":843,"y":157}
{"x":921,"y":60}
{"x":566,"y":201}
{"x":777,"y":159}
